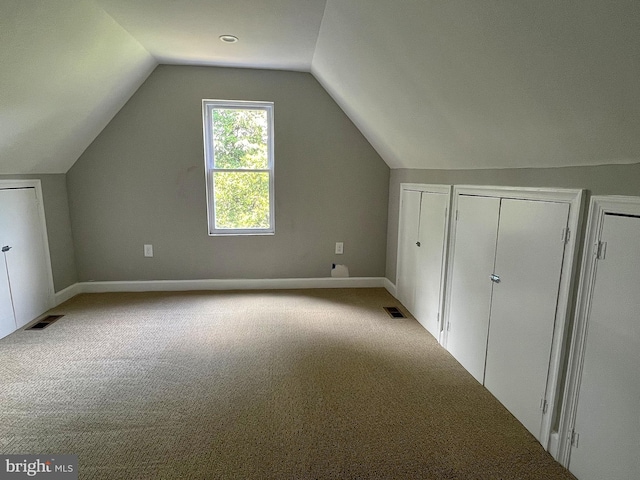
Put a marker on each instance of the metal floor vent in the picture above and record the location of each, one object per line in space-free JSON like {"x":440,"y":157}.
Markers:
{"x":44,"y":322}
{"x":394,"y":312}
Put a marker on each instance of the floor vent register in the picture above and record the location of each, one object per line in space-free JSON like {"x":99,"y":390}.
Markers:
{"x":44,"y":322}
{"x":394,"y":312}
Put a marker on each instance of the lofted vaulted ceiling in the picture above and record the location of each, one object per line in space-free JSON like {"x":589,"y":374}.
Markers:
{"x":66,"y":68}
{"x":277,"y":34}
{"x":431,"y":84}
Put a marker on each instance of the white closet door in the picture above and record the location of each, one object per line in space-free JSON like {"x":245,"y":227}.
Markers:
{"x":26,"y":261}
{"x":528,"y":261}
{"x":407,"y":248}
{"x":608,"y":413}
{"x":7,"y":320}
{"x":430,"y":254}
{"x":474,"y":247}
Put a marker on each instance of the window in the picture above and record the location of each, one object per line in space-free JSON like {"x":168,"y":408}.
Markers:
{"x":238,"y":150}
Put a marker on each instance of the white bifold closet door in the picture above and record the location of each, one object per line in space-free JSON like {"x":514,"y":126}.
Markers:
{"x":422,"y":246}
{"x":27,"y":269}
{"x":408,"y":251}
{"x":529,"y":256}
{"x":7,"y":320}
{"x":507,"y":265}
{"x":470,"y":296}
{"x":608,"y":413}
{"x":431,"y":236}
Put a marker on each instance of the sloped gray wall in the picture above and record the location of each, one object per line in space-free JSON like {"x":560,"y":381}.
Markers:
{"x":142,"y":181}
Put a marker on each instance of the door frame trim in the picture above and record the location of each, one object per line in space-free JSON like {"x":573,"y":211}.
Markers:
{"x":568,"y":279}
{"x":598,"y":208}
{"x":441,"y":190}
{"x":36,"y":184}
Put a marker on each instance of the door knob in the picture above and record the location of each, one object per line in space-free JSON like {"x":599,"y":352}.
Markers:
{"x":494,"y":278}
{"x":418,"y":244}
{"x":6,"y":248}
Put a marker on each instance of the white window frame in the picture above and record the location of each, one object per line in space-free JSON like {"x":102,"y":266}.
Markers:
{"x":207,"y":108}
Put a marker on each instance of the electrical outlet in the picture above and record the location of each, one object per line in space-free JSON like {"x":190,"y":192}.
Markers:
{"x":148,"y":250}
{"x":339,"y":248}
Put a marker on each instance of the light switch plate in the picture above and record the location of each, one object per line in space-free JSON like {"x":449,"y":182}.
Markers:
{"x":148,"y":250}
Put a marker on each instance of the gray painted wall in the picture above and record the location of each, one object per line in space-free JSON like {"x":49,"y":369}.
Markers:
{"x":142,"y":181}
{"x":598,"y":180}
{"x":56,"y":212}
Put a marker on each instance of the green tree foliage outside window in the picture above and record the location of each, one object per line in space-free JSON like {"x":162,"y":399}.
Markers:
{"x":241,"y":168}
{"x":240,"y":138}
{"x":242,"y":199}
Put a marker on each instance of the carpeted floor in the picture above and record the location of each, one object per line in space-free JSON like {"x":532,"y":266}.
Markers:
{"x":299,"y":384}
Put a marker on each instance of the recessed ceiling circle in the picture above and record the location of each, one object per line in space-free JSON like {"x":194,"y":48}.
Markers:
{"x":228,"y":38}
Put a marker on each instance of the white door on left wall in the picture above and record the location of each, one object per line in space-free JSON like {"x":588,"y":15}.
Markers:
{"x":407,"y":248}
{"x":27,"y":269}
{"x":7,"y":320}
{"x":422,"y":235}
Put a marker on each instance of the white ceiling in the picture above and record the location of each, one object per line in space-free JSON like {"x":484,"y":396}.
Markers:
{"x":278,"y":34}
{"x":431,"y":84}
{"x":487,"y":84}
{"x":66,"y":68}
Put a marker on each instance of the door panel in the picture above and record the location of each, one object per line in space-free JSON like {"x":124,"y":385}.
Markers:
{"x":529,"y":255}
{"x":470,"y":300}
{"x":26,"y":261}
{"x":430,"y":260}
{"x":407,"y":258}
{"x":7,"y":320}
{"x":608,"y":413}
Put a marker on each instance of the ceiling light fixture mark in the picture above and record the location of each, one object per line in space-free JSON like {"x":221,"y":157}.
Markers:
{"x":228,"y":38}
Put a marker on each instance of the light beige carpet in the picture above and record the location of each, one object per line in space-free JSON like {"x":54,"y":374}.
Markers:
{"x":300,"y":384}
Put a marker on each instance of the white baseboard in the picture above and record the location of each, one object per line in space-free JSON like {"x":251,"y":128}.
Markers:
{"x":391,"y":288}
{"x":69,"y":292}
{"x":218,"y":284}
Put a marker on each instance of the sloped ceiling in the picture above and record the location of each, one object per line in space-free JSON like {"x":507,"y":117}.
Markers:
{"x":487,"y":84}
{"x":278,"y":34}
{"x":432,"y":84}
{"x":66,"y":68}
